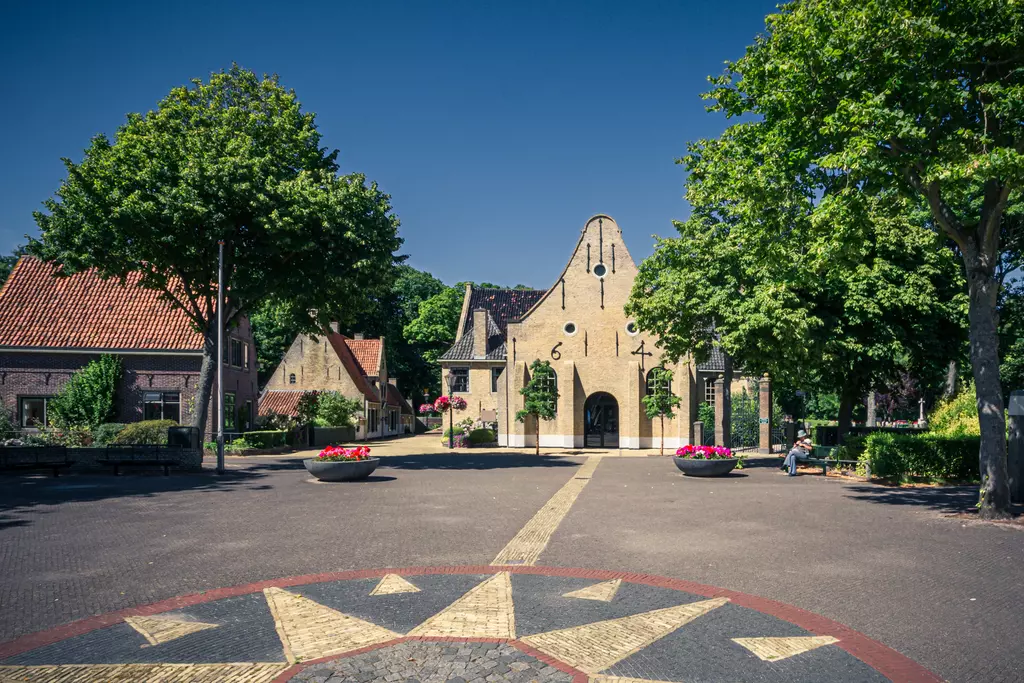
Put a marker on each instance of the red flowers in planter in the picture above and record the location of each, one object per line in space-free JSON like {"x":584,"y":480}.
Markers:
{"x":342,"y":454}
{"x":704,"y":452}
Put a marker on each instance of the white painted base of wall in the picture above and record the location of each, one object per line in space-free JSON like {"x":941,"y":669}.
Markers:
{"x":655,"y":442}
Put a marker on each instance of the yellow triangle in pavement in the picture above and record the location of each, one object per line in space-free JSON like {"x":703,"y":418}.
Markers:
{"x":486,"y":611}
{"x":254,"y":672}
{"x":604,"y":591}
{"x":393,"y":583}
{"x":592,"y":648}
{"x":309,"y":630}
{"x":158,"y":630}
{"x":776,"y":649}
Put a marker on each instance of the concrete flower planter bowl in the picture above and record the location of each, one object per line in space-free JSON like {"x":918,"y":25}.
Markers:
{"x":351,"y":470}
{"x":693,"y":467}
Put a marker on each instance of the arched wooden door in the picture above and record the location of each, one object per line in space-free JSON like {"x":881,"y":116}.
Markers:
{"x":601,"y":421}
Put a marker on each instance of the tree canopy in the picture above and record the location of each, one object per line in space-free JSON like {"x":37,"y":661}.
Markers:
{"x":236,"y":160}
{"x":871,"y":102}
{"x":436,"y":324}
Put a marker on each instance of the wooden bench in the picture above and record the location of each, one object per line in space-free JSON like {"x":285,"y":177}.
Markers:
{"x":824,"y":456}
{"x":53,"y":458}
{"x":140,"y":455}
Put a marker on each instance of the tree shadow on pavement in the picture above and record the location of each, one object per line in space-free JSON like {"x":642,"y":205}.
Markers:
{"x":940,"y":499}
{"x":474,"y":461}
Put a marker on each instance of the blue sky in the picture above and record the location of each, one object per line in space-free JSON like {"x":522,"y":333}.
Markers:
{"x":498,"y":128}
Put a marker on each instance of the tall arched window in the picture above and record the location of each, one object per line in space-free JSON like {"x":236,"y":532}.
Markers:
{"x":651,"y":379}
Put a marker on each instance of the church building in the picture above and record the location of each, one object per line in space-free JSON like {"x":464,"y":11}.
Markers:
{"x":601,"y":359}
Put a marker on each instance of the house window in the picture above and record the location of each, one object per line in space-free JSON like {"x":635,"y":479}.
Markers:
{"x":371,"y":420}
{"x":667,"y":384}
{"x":709,"y":390}
{"x":245,"y":416}
{"x":495,"y":376}
{"x":236,"y":353}
{"x":393,"y":420}
{"x":161,"y":405}
{"x":291,"y":378}
{"x":230,"y":423}
{"x":34,"y":411}
{"x":245,"y":356}
{"x":460,"y":380}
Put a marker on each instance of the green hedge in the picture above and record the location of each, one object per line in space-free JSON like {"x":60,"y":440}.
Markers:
{"x":267,"y":438}
{"x":107,"y":433}
{"x":147,"y":431}
{"x":480,"y":436}
{"x":898,"y":456}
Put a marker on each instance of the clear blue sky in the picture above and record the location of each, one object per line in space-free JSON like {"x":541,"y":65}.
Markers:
{"x":497,"y":127}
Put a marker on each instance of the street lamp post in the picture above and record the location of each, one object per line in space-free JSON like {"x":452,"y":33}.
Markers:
{"x":448,"y":379}
{"x":220,"y":357}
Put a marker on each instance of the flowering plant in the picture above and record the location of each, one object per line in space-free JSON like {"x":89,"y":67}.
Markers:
{"x":704,"y":452}
{"x":443,"y":404}
{"x":458,"y":441}
{"x":427,"y":408}
{"x":342,"y":454}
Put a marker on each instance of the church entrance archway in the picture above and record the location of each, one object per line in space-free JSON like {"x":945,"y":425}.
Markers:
{"x":601,"y":421}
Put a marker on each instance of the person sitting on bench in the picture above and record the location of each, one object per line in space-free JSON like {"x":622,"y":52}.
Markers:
{"x":799,"y":451}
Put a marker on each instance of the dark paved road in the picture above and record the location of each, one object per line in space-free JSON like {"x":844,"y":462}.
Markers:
{"x":886,"y":563}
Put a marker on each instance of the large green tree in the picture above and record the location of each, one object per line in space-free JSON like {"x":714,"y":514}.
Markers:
{"x":918,"y":97}
{"x":234,"y":159}
{"x":1011,"y":339}
{"x":436,"y":324}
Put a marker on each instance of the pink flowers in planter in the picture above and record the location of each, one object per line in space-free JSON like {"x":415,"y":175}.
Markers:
{"x":342,"y":454}
{"x":704,"y":452}
{"x":443,"y":404}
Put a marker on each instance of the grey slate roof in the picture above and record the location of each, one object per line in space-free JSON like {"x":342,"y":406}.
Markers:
{"x":502,"y":304}
{"x":715,"y":362}
{"x":463,"y":348}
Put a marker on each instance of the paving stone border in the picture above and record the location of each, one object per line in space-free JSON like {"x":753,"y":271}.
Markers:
{"x":886,"y":661}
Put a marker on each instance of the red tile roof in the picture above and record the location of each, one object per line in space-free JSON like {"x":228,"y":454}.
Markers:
{"x":366,"y":353}
{"x":342,"y":347}
{"x":83,"y":311}
{"x":280,"y":402}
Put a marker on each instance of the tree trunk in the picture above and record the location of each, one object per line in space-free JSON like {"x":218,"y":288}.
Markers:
{"x":662,"y":434}
{"x":537,"y":418}
{"x":951,"y":379}
{"x":207,"y":376}
{"x":982,"y":289}
{"x":845,"y":414}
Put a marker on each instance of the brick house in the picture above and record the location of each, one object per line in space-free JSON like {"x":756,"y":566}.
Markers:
{"x":50,"y":327}
{"x":356,"y":367}
{"x":602,"y":361}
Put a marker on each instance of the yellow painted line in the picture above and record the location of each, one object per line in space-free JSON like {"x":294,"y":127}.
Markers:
{"x":393,"y":583}
{"x":529,"y":543}
{"x":309,"y":630}
{"x":158,"y":630}
{"x":620,"y":679}
{"x":776,"y":649}
{"x":486,"y":611}
{"x":603,"y":592}
{"x":255,"y":672}
{"x":592,"y":648}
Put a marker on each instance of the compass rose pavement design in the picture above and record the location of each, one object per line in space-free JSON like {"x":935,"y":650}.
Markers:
{"x":465,"y":624}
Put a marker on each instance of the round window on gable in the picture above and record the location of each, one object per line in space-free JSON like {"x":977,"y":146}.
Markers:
{"x":600,"y":270}
{"x":631,"y":328}
{"x":569,"y":328}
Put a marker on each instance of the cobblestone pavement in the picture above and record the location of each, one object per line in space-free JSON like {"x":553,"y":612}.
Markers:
{"x":419,"y":662}
{"x":116,"y":552}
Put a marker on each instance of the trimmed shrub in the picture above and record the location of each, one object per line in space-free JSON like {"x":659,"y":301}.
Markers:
{"x":88,"y":399}
{"x":267,"y":438}
{"x":147,"y":431}
{"x":7,"y":422}
{"x":957,"y":416}
{"x":898,"y":456}
{"x":333,"y":409}
{"x":459,"y":431}
{"x":237,"y":446}
{"x":106,"y":433}
{"x":481,"y":436}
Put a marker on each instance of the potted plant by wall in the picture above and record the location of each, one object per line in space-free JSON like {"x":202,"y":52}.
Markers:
{"x":705,"y":461}
{"x":336,"y":463}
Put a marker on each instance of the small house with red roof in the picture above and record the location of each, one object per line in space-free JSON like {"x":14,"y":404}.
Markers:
{"x":356,"y":367}
{"x":50,"y":327}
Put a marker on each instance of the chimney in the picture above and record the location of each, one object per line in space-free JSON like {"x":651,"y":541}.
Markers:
{"x":334,"y":327}
{"x":393,"y":381}
{"x":359,"y":335}
{"x":479,"y":332}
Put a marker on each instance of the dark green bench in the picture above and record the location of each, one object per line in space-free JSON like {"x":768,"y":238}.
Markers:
{"x":140,"y":455}
{"x":825,"y":456}
{"x":53,"y":458}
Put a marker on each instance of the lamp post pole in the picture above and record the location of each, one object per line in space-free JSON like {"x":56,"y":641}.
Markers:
{"x":451,"y":413}
{"x":220,"y":357}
